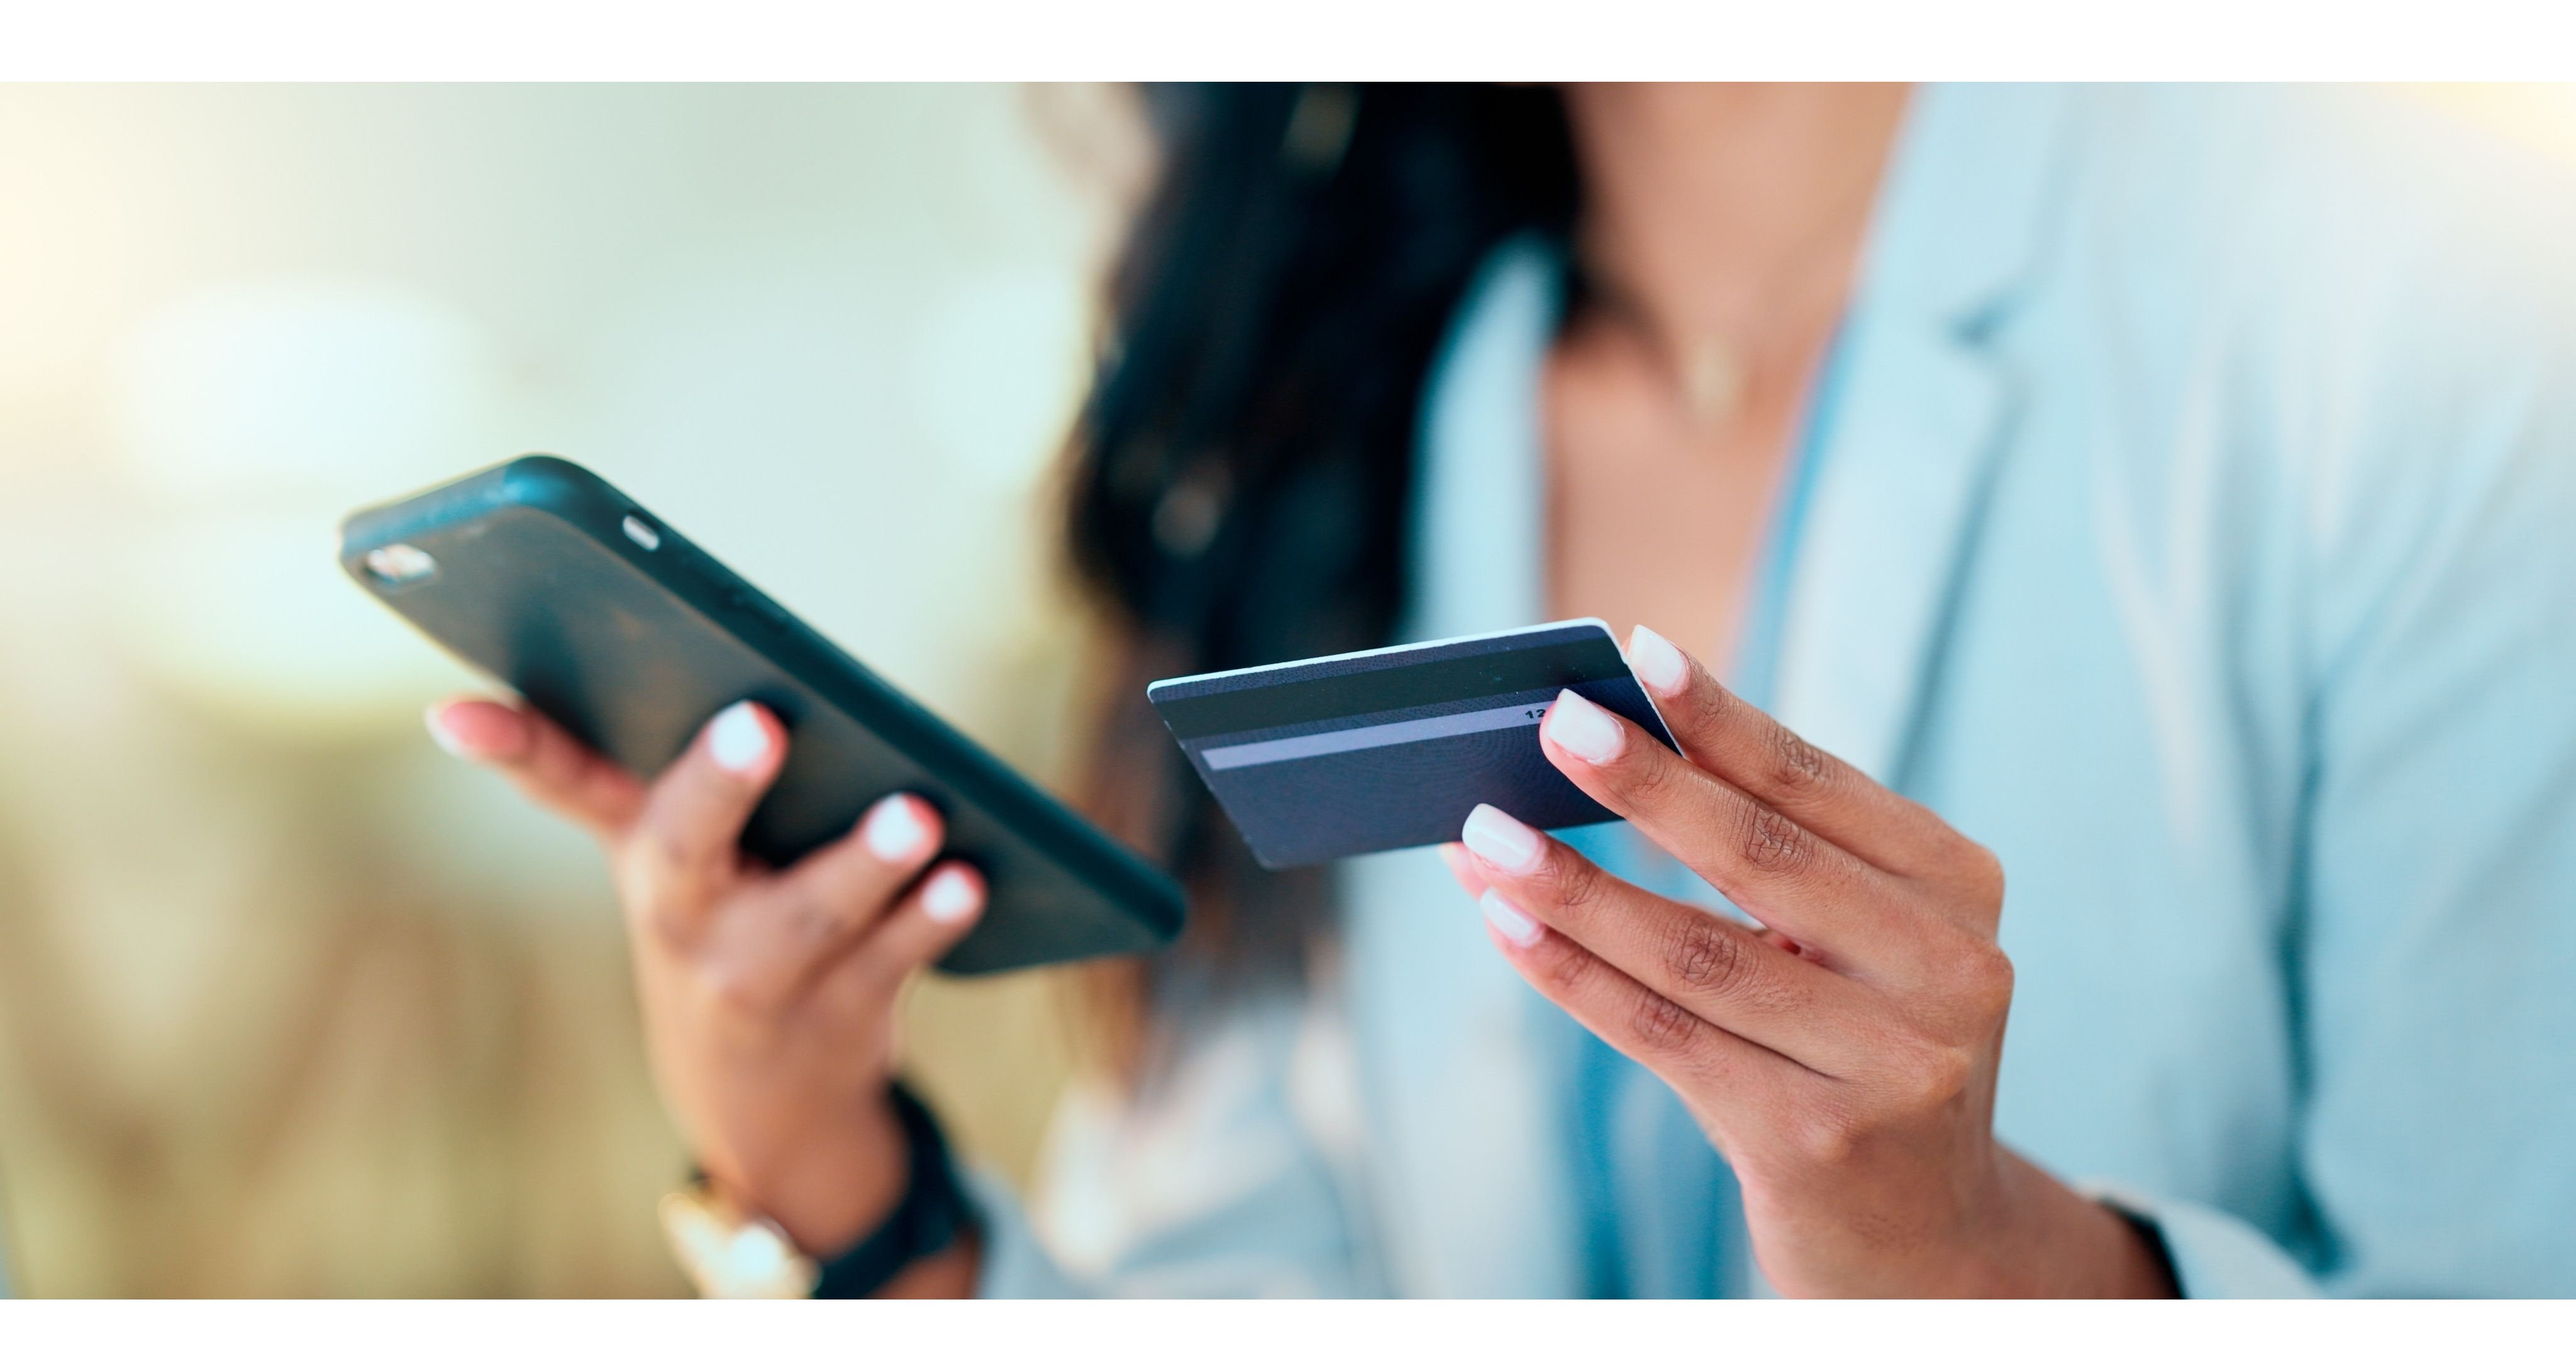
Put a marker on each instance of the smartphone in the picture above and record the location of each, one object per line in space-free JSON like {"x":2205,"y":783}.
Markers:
{"x":605,"y":619}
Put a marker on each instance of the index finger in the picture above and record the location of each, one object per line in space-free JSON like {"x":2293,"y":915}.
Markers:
{"x":545,"y":762}
{"x":1740,"y":743}
{"x":1783,"y":874}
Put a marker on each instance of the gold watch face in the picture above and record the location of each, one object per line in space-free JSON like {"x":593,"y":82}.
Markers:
{"x":730,"y":1254}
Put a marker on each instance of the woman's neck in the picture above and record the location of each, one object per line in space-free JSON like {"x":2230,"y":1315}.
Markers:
{"x":1730,"y":214}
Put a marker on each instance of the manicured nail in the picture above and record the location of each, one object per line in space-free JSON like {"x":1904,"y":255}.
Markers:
{"x":1657,"y":661}
{"x":737,"y":739}
{"x":894,"y":830}
{"x":1509,"y":921}
{"x":445,"y":739}
{"x":1493,"y":835}
{"x":1579,"y":724}
{"x":950,"y":897}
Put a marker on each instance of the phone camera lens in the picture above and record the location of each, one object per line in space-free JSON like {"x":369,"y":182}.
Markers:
{"x":400,"y":564}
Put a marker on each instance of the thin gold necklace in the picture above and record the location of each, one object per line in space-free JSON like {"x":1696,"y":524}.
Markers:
{"x":1710,"y":373}
{"x":1712,"y":380}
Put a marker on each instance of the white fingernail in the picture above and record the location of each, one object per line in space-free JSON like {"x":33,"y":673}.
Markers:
{"x":440,"y":735}
{"x":737,"y":739}
{"x":1657,"y":661}
{"x":949,"y":898}
{"x":1579,"y":724}
{"x":1493,"y":835}
{"x":1508,"y":920}
{"x":894,"y":831}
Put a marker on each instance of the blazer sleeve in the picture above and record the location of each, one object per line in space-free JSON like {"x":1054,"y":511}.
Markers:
{"x":2212,"y":1253}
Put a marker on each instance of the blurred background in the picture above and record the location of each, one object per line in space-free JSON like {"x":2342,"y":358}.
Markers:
{"x":289,"y":1003}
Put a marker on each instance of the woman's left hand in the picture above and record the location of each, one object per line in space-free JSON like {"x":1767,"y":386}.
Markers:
{"x":1842,"y":1058}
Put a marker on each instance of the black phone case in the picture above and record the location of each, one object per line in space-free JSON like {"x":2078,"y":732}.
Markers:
{"x":606,"y":620}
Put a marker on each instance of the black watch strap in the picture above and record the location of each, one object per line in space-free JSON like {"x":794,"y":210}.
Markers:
{"x":933,"y":1211}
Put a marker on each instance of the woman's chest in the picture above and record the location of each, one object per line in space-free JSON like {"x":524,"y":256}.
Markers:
{"x":1653,"y":516}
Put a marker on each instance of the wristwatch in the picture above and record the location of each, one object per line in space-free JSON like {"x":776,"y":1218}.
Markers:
{"x":732,"y":1252}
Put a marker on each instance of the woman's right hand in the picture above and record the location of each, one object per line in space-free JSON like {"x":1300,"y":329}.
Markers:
{"x":769,"y":994}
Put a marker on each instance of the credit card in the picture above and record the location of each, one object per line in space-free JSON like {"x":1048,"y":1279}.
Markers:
{"x":1389,"y":749}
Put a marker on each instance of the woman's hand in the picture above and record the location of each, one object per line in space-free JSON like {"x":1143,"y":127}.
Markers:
{"x":768,"y":995}
{"x":1842,"y":1058}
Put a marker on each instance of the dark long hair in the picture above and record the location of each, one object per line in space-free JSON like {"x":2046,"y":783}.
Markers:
{"x":1239,"y":474}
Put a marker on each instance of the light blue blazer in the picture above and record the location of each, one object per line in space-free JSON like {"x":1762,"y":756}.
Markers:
{"x":2192,"y":520}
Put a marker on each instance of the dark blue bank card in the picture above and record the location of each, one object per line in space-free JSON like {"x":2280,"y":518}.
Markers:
{"x":1389,"y":749}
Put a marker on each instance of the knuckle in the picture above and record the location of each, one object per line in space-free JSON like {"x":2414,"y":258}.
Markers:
{"x":1720,"y":708}
{"x":1767,"y":841}
{"x":638,"y":887}
{"x":813,"y":918}
{"x":645,"y":881}
{"x":1708,"y":958}
{"x":669,"y":930}
{"x":1659,"y":1025}
{"x":1934,"y":1073}
{"x":1570,"y":971}
{"x":736,"y":989}
{"x":1983,"y":875}
{"x":1796,"y":767}
{"x":1649,"y":778}
{"x":1828,"y":1136}
{"x":668,"y":859}
{"x":1952,"y":1072}
{"x":1580,"y":888}
{"x":1981,"y":976}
